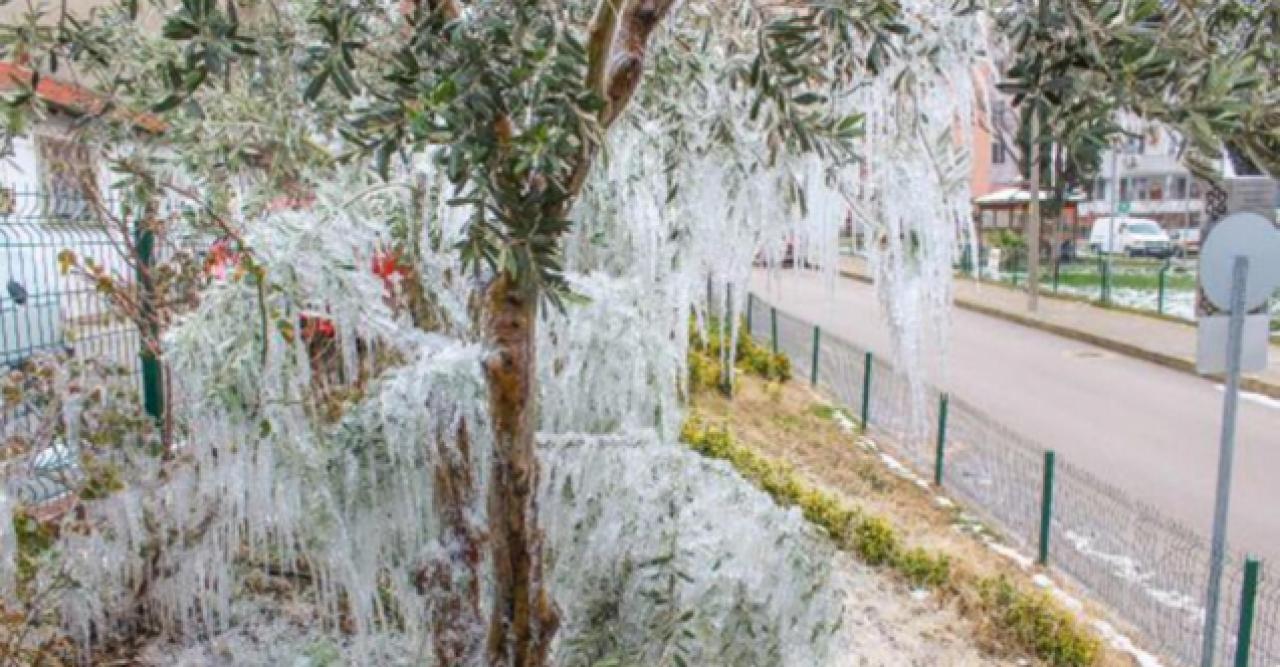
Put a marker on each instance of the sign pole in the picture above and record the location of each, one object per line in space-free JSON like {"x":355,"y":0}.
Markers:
{"x":1235,"y":343}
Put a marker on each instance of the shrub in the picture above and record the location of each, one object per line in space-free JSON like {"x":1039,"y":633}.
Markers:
{"x":1034,"y":623}
{"x":1027,"y":622}
{"x":705,"y":369}
{"x":923,"y":569}
{"x":875,"y":541}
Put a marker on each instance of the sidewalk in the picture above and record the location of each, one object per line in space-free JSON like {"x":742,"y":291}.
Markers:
{"x":1168,"y":343}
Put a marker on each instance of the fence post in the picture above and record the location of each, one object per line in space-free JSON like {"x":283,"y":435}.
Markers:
{"x":1248,"y":602}
{"x":152,"y":374}
{"x":942,"y":439}
{"x":1046,"y":506}
{"x":773,"y":327}
{"x":866,"y":391}
{"x":1160,"y":295}
{"x":817,"y":345}
{"x":751,"y":300}
{"x":1057,"y":272}
{"x":1106,"y":281}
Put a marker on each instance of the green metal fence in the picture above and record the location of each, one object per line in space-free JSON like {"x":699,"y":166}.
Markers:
{"x":48,"y":309}
{"x":1148,"y":569}
{"x":1164,"y":287}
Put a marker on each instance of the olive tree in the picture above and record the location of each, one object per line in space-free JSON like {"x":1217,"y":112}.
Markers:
{"x":513,"y":101}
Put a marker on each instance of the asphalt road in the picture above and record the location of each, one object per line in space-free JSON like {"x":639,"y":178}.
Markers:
{"x":1149,"y":430}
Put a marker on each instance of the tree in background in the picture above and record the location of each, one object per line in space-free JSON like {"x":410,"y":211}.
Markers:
{"x":1207,"y":71}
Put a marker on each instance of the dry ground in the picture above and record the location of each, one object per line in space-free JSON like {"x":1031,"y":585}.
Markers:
{"x":791,"y":422}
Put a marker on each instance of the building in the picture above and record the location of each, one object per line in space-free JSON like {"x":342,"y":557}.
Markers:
{"x":1142,"y":178}
{"x":53,"y":187}
{"x":1152,"y":182}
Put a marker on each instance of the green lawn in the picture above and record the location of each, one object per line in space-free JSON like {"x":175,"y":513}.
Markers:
{"x":1127,"y":275}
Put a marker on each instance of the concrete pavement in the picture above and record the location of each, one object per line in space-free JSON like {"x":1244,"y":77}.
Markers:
{"x":1143,"y":427}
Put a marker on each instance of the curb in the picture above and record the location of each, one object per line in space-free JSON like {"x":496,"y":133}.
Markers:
{"x":1180,"y":364}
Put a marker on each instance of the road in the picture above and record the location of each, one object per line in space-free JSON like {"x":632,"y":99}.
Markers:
{"x":1143,"y":428}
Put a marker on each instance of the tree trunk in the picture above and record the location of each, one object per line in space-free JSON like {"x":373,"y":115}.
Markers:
{"x":1033,"y":216}
{"x":523,"y":620}
{"x":452,"y":581}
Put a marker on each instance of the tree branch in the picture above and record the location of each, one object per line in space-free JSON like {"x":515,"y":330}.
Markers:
{"x":600,"y":44}
{"x":447,"y":8}
{"x":637,"y":25}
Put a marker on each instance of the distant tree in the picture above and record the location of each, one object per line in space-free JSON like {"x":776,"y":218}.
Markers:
{"x":1206,"y":70}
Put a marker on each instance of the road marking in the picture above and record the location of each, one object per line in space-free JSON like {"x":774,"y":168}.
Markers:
{"x":1261,"y":399}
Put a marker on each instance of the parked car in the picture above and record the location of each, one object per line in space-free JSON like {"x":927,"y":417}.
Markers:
{"x":1186,"y":242}
{"x":1135,"y":237}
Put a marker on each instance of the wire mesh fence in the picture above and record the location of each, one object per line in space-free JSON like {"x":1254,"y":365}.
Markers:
{"x":1150,"y":570}
{"x":72,"y":267}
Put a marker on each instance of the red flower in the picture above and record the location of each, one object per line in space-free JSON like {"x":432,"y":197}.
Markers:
{"x":386,"y":263}
{"x":316,"y":327}
{"x":221,"y":258}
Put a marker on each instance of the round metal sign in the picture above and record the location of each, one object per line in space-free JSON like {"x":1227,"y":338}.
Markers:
{"x":1241,"y":234}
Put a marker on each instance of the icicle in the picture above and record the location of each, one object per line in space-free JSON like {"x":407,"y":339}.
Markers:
{"x":8,"y":547}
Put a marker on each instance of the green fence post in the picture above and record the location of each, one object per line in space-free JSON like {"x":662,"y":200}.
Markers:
{"x":773,"y":327}
{"x":1160,"y":295}
{"x":1046,"y":507}
{"x":942,"y":439}
{"x":1057,"y":272}
{"x":817,"y":345}
{"x":751,"y":300}
{"x":1248,"y":603}
{"x":152,"y":374}
{"x":866,"y":391}
{"x":1106,"y":281}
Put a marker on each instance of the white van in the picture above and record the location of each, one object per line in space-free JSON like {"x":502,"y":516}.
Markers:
{"x":1131,"y":236}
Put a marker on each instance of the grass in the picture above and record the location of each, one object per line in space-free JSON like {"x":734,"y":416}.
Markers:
{"x":1131,"y":274}
{"x":790,"y":444}
{"x":1019,"y":619}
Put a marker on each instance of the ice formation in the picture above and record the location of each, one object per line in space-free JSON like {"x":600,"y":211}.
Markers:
{"x":916,"y":191}
{"x":343,"y":512}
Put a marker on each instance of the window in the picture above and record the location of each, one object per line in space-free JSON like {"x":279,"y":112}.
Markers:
{"x":1141,"y":188}
{"x":1155,"y":190}
{"x":1178,"y":189}
{"x":1195,"y":189}
{"x":68,"y":175}
{"x":997,"y":152}
{"x":1135,"y":145}
{"x":1126,"y":189}
{"x":1100,"y":189}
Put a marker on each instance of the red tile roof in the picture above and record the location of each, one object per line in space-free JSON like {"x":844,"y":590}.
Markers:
{"x":72,"y":97}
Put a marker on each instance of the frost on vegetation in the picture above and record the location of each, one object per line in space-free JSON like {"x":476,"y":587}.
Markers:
{"x":8,"y":547}
{"x":647,"y":563}
{"x":916,"y":194}
{"x":646,"y":559}
{"x":265,"y":484}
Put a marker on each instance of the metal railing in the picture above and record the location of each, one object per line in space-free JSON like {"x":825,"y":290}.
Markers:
{"x":53,"y":313}
{"x":1128,"y":555}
